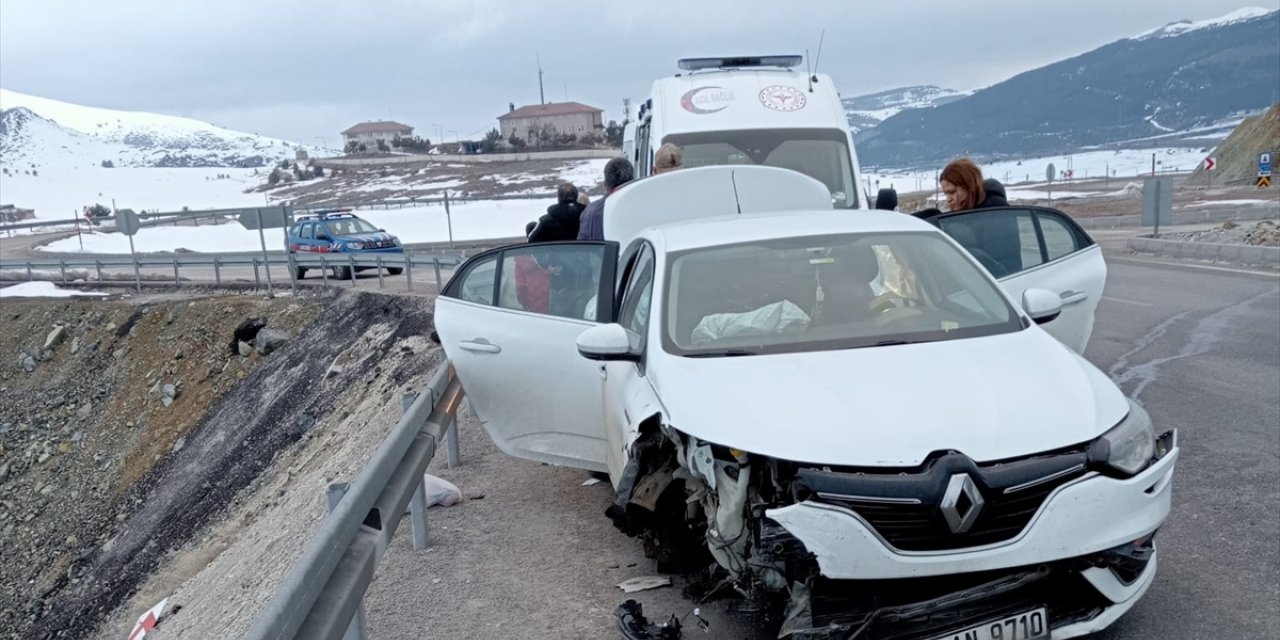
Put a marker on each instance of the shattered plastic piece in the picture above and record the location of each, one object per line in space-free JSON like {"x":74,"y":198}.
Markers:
{"x":634,"y":626}
{"x":644,"y":583}
{"x":148,"y":621}
{"x":590,"y":482}
{"x":440,"y":491}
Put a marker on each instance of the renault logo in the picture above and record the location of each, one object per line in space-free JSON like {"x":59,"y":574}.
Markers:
{"x":961,"y":503}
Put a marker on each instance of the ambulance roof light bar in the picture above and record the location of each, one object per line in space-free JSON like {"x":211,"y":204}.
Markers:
{"x":699,"y":64}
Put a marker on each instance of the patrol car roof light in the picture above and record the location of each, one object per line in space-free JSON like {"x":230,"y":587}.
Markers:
{"x":698,"y":64}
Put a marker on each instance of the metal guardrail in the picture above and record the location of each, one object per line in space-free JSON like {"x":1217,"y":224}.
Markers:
{"x":321,"y":596}
{"x":329,"y":266}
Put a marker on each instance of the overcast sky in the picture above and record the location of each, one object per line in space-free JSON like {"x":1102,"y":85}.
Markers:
{"x":306,"y":69}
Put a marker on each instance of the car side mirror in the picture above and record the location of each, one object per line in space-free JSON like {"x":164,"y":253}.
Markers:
{"x":606,"y":342}
{"x":1042,"y":305}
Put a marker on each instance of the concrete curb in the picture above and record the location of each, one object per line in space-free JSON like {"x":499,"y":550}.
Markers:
{"x":1237,"y":254}
{"x":1181,"y":217}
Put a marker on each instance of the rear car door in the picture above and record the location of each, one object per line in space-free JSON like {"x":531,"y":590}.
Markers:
{"x":509,"y":320}
{"x":1040,"y":248}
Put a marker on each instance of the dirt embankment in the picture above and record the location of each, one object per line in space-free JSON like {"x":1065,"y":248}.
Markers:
{"x":129,"y":431}
{"x":1237,"y":157}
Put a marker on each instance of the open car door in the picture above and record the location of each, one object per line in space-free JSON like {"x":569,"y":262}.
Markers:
{"x":509,"y":320}
{"x":1036,"y":248}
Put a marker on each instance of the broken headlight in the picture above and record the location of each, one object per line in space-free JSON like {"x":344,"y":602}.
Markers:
{"x":1131,"y":444}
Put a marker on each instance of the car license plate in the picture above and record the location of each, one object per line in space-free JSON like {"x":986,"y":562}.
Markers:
{"x":1029,"y":625}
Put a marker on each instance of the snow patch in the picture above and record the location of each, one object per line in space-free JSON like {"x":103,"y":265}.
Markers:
{"x":45,"y":290}
{"x":1187,"y":26}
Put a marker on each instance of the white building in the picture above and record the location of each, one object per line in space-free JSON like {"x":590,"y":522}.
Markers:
{"x":561,"y":117}
{"x":370,"y":133}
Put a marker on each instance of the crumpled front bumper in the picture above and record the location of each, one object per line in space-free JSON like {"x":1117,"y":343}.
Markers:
{"x":1088,"y":515}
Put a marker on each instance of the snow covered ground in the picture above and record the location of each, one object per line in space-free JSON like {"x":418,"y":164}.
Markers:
{"x":44,"y":290}
{"x":474,"y":220}
{"x":63,"y":193}
{"x":1092,"y":164}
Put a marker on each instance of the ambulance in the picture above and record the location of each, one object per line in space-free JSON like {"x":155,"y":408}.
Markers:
{"x":758,"y":110}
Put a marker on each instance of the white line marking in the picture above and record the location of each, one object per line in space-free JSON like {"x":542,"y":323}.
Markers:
{"x":1123,"y":301}
{"x":1193,"y":265}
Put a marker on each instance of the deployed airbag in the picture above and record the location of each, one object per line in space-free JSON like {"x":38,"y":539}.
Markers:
{"x":771,"y":319}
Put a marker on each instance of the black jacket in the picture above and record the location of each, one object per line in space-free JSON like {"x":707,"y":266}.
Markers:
{"x":995,"y":195}
{"x":559,"y":224}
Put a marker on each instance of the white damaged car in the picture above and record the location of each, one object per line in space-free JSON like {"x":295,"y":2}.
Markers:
{"x":843,"y":414}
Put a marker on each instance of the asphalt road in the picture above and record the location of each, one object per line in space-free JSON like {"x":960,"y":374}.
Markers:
{"x":1198,"y":346}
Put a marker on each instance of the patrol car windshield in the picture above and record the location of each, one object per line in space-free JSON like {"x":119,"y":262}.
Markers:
{"x":822,"y":154}
{"x":349,"y":226}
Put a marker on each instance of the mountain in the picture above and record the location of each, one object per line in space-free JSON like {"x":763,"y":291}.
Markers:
{"x":869,"y":110}
{"x":38,"y":133}
{"x":1185,"y":82}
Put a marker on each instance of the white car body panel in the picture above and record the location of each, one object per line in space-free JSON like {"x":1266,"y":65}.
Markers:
{"x":892,"y":406}
{"x":1078,"y":279}
{"x":708,"y":192}
{"x":528,"y":413}
{"x":1090,"y":514}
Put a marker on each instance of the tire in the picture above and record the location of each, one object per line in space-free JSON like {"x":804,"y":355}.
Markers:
{"x":395,"y":271}
{"x":342,"y":273}
{"x":300,"y":272}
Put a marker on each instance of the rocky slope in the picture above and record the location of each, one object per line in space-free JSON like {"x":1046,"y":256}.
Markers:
{"x":128,"y":427}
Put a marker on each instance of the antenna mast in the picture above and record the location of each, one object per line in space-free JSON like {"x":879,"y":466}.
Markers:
{"x":818,"y":61}
{"x":542,"y":96}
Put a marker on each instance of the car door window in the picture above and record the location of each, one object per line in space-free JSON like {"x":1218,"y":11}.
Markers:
{"x":477,"y":282}
{"x":1059,"y":239}
{"x":636,"y":298}
{"x":1003,"y":241}
{"x":553,"y":279}
{"x":307,"y":231}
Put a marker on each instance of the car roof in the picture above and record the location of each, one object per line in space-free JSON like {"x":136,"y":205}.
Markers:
{"x":725,"y":230}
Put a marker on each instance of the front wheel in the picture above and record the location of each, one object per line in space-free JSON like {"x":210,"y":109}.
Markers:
{"x":300,"y":272}
{"x":395,"y":271}
{"x":342,"y":273}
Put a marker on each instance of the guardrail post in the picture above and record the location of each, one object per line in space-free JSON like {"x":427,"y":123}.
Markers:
{"x":408,"y":271}
{"x":379,"y":272}
{"x":418,"y":503}
{"x":176,"y":279}
{"x":30,"y":277}
{"x":217,"y":271}
{"x":439,"y":286}
{"x":351,"y":267}
{"x":451,"y":439}
{"x":62,"y":266}
{"x":257,"y":282}
{"x":355,"y":631}
{"x":97,"y":265}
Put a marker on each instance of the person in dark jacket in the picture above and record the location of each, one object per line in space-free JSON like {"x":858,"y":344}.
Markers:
{"x":618,"y":172}
{"x":560,"y":223}
{"x":995,"y":194}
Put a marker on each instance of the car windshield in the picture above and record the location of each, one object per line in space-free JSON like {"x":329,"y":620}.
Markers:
{"x":822,"y":154}
{"x":828,"y":292}
{"x":350,"y":227}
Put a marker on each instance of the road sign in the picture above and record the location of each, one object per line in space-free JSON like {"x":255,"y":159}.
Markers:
{"x":127,"y":222}
{"x":1210,"y":163}
{"x":262,"y":218}
{"x":1264,"y":181}
{"x":1049,"y":172}
{"x":1157,"y":202}
{"x":1071,"y":172}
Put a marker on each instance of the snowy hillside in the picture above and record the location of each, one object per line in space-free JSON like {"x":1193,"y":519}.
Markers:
{"x":1186,"y":26}
{"x":869,"y":110}
{"x":41,"y":133}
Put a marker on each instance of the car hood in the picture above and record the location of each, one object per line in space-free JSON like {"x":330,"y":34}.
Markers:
{"x":377,"y":236}
{"x":990,"y":398}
